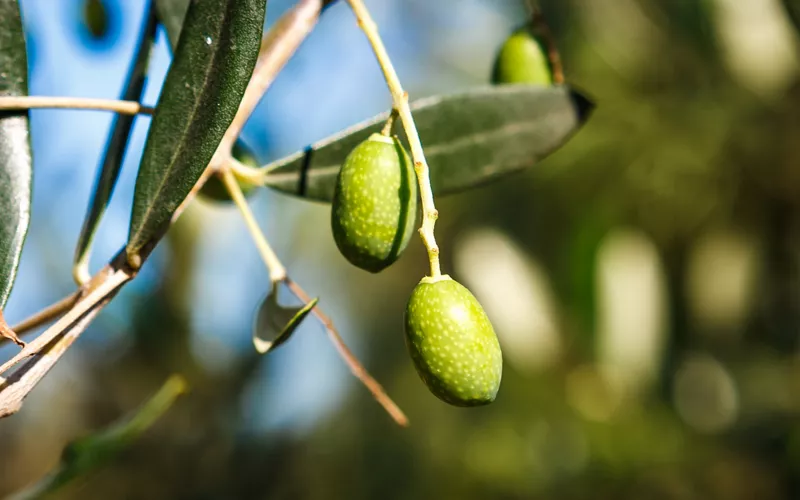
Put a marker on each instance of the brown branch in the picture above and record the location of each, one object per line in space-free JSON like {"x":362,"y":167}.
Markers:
{"x":207,"y":173}
{"x":48,"y":348}
{"x":103,"y":284}
{"x":277,"y":47}
{"x":541,"y":27}
{"x":46,"y":315}
{"x":16,"y":388}
{"x":350,"y":359}
{"x":7,"y":333}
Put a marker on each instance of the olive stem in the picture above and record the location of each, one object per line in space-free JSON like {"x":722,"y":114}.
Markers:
{"x":86,"y":103}
{"x":356,"y":368}
{"x":277,"y":273}
{"x":400,"y":99}
{"x":251,"y":175}
{"x":539,"y":25}
{"x":276,"y":270}
{"x":387,"y":128}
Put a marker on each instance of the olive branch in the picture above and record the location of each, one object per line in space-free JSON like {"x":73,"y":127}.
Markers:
{"x":73,"y":313}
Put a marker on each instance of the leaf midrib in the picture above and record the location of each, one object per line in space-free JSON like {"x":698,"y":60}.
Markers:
{"x":431,"y":151}
{"x":182,"y":146}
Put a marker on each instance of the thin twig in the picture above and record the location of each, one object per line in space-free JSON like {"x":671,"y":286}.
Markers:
{"x":277,"y":273}
{"x":16,"y":388}
{"x":40,"y":102}
{"x":277,"y":47}
{"x":400,"y":98}
{"x":118,"y":139}
{"x":101,"y":287}
{"x":8,"y":333}
{"x":276,"y":270}
{"x":48,"y":348}
{"x":46,"y":315}
{"x":350,"y":359}
{"x":207,"y":173}
{"x":107,"y":282}
{"x":541,"y":27}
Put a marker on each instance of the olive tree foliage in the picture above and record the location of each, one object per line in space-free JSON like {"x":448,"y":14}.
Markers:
{"x":223,"y":63}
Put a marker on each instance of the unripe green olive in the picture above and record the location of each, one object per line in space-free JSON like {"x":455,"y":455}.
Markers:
{"x":374,"y":208}
{"x":214,"y":189}
{"x":452,"y":343}
{"x":522,"y":59}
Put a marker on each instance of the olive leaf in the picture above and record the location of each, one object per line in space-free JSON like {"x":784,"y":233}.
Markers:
{"x":117,"y":142}
{"x":16,"y":164}
{"x":213,"y":62}
{"x":275,"y":323}
{"x":470,"y":138}
{"x":170,"y":14}
{"x":87,"y":454}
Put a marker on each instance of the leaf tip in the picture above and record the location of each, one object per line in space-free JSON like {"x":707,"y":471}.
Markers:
{"x":584,"y":106}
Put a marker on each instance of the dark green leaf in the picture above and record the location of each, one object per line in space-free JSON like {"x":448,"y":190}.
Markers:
{"x":276,"y":323}
{"x":87,"y":454}
{"x":16,"y":165}
{"x":213,"y":62}
{"x":117,"y":142}
{"x":469,"y":138}
{"x":171,"y":14}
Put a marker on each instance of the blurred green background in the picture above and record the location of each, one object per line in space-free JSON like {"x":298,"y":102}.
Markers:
{"x":644,"y":280}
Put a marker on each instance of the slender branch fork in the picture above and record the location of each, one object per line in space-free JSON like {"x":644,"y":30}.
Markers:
{"x":81,"y":307}
{"x":277,"y":273}
{"x":276,"y":270}
{"x":41,"y":102}
{"x":539,"y":24}
{"x":356,"y":367}
{"x":400,"y":99}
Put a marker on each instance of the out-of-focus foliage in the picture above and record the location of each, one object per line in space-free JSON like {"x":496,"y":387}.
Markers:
{"x":86,"y":455}
{"x":644,"y":282}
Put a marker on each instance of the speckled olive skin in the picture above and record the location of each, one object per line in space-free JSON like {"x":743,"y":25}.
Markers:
{"x":522,"y":59}
{"x":452,"y":343}
{"x":374,"y":208}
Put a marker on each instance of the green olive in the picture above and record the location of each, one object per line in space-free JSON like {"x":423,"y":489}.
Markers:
{"x":214,"y":189}
{"x":452,"y":343}
{"x":522,"y":59}
{"x":374,"y":209}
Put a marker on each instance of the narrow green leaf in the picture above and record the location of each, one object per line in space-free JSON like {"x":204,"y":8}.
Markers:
{"x":16,"y":164}
{"x":121,"y":128}
{"x":87,"y":454}
{"x":469,"y":138}
{"x":170,"y":14}
{"x":213,"y":62}
{"x":276,"y":323}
